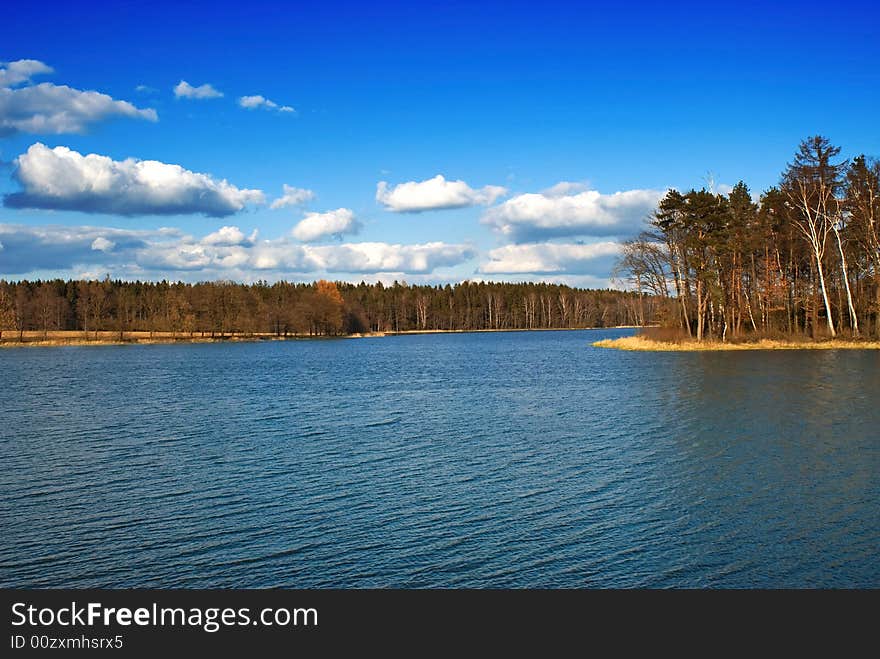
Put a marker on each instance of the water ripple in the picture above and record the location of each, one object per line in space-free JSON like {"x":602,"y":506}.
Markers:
{"x":485,"y":460}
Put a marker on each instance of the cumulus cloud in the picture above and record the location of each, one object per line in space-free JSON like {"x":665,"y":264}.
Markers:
{"x":62,"y":179}
{"x":357,"y":258}
{"x":229,"y":236}
{"x":292,"y":197}
{"x":320,"y":225}
{"x":15,"y":73}
{"x":64,"y":248}
{"x":54,"y":109}
{"x":536,"y":216}
{"x":552,"y":258}
{"x":225,"y":253}
{"x":434,"y":194}
{"x":185,"y":90}
{"x":384,"y":257}
{"x":258,"y":101}
{"x":102,"y":244}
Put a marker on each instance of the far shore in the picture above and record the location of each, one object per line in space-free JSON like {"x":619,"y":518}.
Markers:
{"x":36,"y":339}
{"x":480,"y":331}
{"x":638,"y":343}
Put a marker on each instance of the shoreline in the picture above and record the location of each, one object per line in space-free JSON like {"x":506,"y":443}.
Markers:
{"x":62,"y":338}
{"x":639,"y":344}
{"x":481,"y":331}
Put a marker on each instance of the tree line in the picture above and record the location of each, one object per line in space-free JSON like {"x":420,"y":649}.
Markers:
{"x":804,"y":259}
{"x":322,"y":308}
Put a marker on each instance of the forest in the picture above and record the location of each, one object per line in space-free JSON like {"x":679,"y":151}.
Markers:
{"x":322,"y":308}
{"x":802,"y":260}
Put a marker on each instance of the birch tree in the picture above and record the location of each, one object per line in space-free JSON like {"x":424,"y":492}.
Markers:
{"x":810,"y":183}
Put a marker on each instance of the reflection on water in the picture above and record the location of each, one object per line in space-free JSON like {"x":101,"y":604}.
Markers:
{"x":512,"y":459}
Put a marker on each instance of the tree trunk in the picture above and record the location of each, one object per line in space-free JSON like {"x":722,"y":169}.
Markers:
{"x":853,"y":318}
{"x":825,"y":297}
{"x":699,"y":309}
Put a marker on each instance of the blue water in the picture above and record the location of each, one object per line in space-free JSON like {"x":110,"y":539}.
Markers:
{"x":474,"y":460}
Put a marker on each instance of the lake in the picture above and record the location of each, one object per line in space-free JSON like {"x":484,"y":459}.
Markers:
{"x":516,"y":459}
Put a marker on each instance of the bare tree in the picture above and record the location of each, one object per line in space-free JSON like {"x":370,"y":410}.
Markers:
{"x":810,"y":184}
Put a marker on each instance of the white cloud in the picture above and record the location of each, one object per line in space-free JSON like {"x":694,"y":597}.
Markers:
{"x":251,"y":102}
{"x":226,"y":253}
{"x":434,"y":194}
{"x":63,"y":179}
{"x":552,"y":258}
{"x":101,"y":244}
{"x":320,"y":225}
{"x":384,"y":257}
{"x":185,"y":90}
{"x":228,"y":236}
{"x":258,"y":101}
{"x":292,"y":197}
{"x":537,"y":216}
{"x":66,"y":248}
{"x":54,"y":109}
{"x":15,"y":73}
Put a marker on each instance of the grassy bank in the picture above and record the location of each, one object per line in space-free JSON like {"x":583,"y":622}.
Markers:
{"x":510,"y":329}
{"x":14,"y":339}
{"x":638,"y":343}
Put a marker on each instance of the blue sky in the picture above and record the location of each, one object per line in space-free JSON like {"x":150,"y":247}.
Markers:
{"x":610,"y":97}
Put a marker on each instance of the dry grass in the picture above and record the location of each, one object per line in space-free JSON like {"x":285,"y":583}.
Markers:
{"x":12,"y":339}
{"x":642,"y":344}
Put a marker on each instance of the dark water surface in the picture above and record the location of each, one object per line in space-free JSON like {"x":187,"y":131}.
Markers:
{"x":479,"y":460}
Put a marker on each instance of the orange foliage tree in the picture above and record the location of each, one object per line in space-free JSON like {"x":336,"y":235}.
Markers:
{"x":325,"y":308}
